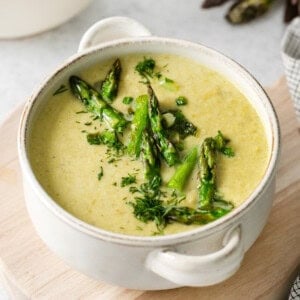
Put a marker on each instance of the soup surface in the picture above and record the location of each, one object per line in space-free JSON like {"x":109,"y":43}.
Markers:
{"x":68,"y":167}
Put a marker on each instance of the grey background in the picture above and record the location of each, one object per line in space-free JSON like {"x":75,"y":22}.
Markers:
{"x":25,"y":62}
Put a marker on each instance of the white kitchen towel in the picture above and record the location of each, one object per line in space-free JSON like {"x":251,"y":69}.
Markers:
{"x":295,"y":290}
{"x":290,"y":49}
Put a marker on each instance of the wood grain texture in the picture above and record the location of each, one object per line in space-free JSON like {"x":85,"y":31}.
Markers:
{"x":30,"y":270}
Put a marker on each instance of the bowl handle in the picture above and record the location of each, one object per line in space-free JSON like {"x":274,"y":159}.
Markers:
{"x":203,"y":270}
{"x":111,"y":29}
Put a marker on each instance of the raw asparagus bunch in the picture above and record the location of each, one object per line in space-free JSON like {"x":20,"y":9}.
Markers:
{"x":247,"y":10}
{"x":242,"y":11}
{"x":292,"y":10}
{"x":95,"y":104}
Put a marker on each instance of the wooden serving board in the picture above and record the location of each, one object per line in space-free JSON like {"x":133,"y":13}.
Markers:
{"x":30,"y":270}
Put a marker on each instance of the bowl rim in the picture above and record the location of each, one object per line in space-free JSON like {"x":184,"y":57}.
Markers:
{"x":153,"y":241}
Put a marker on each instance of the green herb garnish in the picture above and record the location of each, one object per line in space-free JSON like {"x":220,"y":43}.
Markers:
{"x":181,"y":125}
{"x":221,"y":143}
{"x":108,"y":138}
{"x":60,"y":90}
{"x":145,"y":68}
{"x":100,"y":174}
{"x":127,"y":100}
{"x":181,"y":100}
{"x":130,"y":179}
{"x":81,"y":112}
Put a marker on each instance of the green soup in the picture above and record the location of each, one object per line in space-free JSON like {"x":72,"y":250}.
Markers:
{"x":68,"y":167}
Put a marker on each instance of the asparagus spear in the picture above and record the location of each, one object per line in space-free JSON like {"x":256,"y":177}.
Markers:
{"x":187,"y":215}
{"x":208,"y":198}
{"x":165,"y":147}
{"x":207,"y":174}
{"x":138,"y":125}
{"x":148,"y":208}
{"x":151,"y":161}
{"x":221,"y":207}
{"x":183,"y":172}
{"x":244,"y":11}
{"x":110,"y":85}
{"x":96,"y":105}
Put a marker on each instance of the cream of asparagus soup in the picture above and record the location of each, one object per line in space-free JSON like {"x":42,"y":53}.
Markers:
{"x":148,"y":144}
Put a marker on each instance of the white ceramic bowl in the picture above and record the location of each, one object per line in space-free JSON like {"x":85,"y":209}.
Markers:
{"x":23,"y":18}
{"x":200,"y":257}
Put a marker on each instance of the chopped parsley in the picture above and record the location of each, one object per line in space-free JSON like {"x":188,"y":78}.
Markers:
{"x":221,"y":144}
{"x":181,"y":100}
{"x":81,"y":112}
{"x":60,"y":90}
{"x":127,"y":100}
{"x":108,"y":138}
{"x":130,"y":179}
{"x":146,"y":68}
{"x":181,"y":125}
{"x":100,"y":174}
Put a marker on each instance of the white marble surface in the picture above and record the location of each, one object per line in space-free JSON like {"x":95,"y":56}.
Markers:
{"x":25,"y":62}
